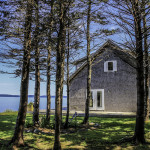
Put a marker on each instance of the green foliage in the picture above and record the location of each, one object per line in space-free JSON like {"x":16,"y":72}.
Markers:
{"x":52,"y":124}
{"x":9,"y":110}
{"x":30,"y":104}
{"x":28,"y":123}
{"x":45,"y":124}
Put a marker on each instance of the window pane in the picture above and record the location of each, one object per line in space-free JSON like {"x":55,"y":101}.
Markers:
{"x":91,"y":100}
{"x":110,"y":65}
{"x":99,"y":99}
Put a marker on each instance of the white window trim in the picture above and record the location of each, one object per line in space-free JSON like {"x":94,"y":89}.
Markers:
{"x":114,"y":66}
{"x":95,"y":99}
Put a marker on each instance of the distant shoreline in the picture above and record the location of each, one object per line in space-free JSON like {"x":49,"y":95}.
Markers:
{"x":8,"y":95}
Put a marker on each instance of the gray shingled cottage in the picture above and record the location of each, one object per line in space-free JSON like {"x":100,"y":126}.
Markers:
{"x":113,"y":82}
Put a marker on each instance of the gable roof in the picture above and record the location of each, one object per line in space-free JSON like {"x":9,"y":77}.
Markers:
{"x":107,"y":43}
{"x":125,"y":55}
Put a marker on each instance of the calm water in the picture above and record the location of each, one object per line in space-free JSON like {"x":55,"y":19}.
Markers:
{"x":13,"y":103}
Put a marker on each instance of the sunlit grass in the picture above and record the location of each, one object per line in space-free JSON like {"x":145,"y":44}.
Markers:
{"x":110,"y":130}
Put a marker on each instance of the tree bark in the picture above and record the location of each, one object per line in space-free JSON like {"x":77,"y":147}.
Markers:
{"x":146,"y":66}
{"x":59,"y":73}
{"x":68,"y":55}
{"x":37,"y":67}
{"x":89,"y":69}
{"x":61,"y":99}
{"x":139,"y":128}
{"x":49,"y":64}
{"x":17,"y":138}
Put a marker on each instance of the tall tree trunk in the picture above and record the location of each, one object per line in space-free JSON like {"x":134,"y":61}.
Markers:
{"x":146,"y":66}
{"x":68,"y":55}
{"x":17,"y":138}
{"x":139,"y":128}
{"x":62,"y":79}
{"x":48,"y":109}
{"x":61,"y":95}
{"x":48,"y":64}
{"x":59,"y":73}
{"x":89,"y":69}
{"x":37,"y":68}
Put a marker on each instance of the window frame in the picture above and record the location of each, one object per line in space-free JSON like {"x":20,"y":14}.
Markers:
{"x":95,"y":99}
{"x":114,"y":66}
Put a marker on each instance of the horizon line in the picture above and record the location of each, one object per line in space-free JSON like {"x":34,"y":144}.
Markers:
{"x":28,"y":95}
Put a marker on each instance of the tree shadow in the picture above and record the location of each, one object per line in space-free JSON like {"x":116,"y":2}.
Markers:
{"x":4,"y":144}
{"x":107,"y":135}
{"x":7,"y":123}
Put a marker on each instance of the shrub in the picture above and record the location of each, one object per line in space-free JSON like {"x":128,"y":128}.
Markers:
{"x":45,"y":124}
{"x":30,"y":106}
{"x":9,"y":110}
{"x":28,"y":124}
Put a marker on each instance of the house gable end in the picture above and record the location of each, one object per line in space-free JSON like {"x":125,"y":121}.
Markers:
{"x":108,"y":46}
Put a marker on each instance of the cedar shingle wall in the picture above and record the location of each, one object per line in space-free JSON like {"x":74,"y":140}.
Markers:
{"x":119,"y":87}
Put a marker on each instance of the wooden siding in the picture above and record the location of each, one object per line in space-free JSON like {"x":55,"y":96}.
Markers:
{"x":119,"y":87}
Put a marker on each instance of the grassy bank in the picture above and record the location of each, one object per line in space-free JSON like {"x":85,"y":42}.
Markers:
{"x":101,"y":134}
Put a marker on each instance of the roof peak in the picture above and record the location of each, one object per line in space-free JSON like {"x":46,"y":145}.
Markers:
{"x":109,"y":42}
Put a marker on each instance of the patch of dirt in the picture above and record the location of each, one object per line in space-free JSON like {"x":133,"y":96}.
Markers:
{"x":70,"y":130}
{"x":39,"y":130}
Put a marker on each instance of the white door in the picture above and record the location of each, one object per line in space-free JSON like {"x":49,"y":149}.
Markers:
{"x":97,"y":100}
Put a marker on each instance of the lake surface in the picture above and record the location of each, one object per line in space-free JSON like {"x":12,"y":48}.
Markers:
{"x":13,"y":103}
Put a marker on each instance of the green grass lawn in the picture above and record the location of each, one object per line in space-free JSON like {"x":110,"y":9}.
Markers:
{"x":109,"y":131}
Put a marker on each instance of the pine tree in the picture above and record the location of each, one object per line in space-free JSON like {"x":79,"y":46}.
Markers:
{"x":139,"y":128}
{"x":129,"y":17}
{"x":60,"y":57}
{"x":146,"y":62}
{"x":18,"y":139}
{"x":37,"y":67}
{"x":68,"y":56}
{"x":93,"y":16}
{"x":74,"y":42}
{"x":89,"y":67}
{"x":48,"y":62}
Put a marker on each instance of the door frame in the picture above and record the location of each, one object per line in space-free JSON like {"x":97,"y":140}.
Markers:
{"x":95,"y":99}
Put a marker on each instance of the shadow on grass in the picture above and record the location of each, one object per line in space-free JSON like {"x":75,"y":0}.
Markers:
{"x":32,"y":141}
{"x":4,"y":145}
{"x":110,"y":131}
{"x":38,"y":141}
{"x":96,"y":140}
{"x":7,"y":125}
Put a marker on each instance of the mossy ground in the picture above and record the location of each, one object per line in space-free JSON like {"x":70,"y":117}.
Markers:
{"x":102,"y":137}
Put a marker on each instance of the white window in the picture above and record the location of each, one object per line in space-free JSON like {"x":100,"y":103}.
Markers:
{"x":110,"y":66}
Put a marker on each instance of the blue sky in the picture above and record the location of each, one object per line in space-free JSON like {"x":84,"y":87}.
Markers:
{"x":11,"y":85}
